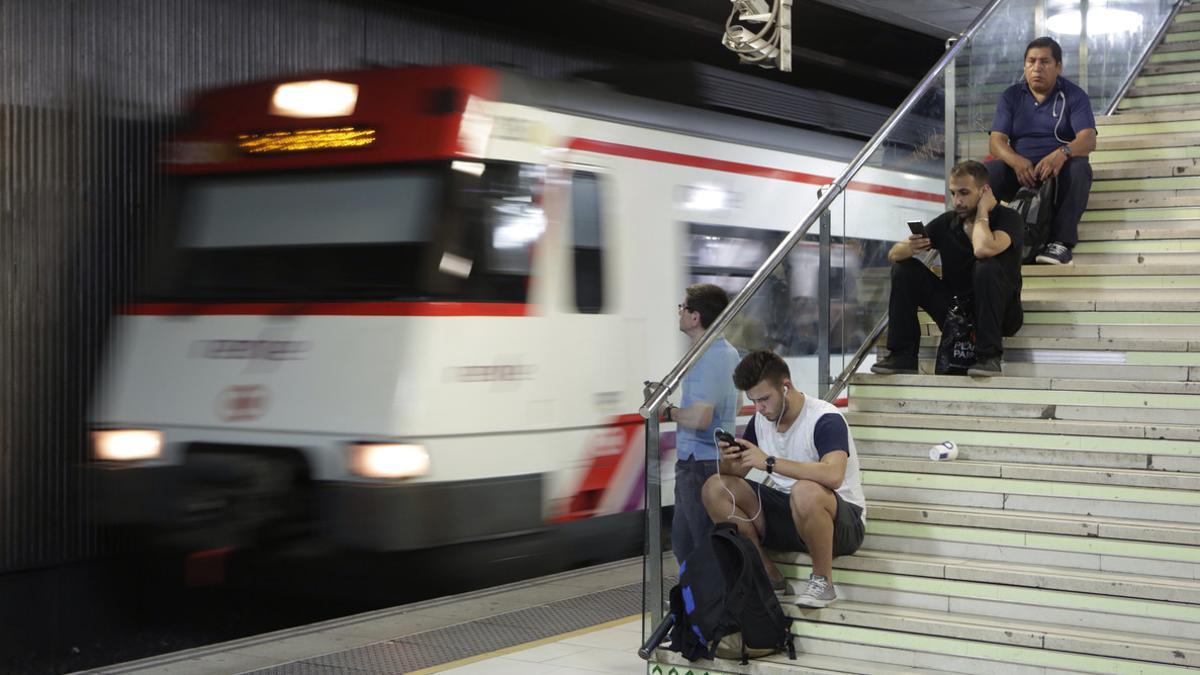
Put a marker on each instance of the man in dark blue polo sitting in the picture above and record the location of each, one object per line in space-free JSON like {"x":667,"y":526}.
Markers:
{"x":1044,"y":127}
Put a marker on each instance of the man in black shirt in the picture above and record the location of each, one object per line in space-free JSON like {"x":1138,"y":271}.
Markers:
{"x":980,"y":243}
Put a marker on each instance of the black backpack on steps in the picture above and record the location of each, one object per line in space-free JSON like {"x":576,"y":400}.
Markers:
{"x":1036,"y":208}
{"x":723,"y":589}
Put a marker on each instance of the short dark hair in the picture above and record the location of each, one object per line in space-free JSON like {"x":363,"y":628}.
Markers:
{"x":969,"y":167}
{"x":758,"y":366}
{"x":1042,"y":43}
{"x":707,"y":300}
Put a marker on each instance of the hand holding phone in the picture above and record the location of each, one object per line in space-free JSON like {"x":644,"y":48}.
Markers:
{"x":727,"y":438}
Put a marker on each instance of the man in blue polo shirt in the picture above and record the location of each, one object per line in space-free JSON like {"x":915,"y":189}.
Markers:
{"x":1044,"y":127}
{"x":708,"y":401}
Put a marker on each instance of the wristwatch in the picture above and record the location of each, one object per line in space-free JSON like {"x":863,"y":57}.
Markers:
{"x":770,"y":465}
{"x":1066,"y":150}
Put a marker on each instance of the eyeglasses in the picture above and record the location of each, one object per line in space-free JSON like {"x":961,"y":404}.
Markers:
{"x":685,"y":307}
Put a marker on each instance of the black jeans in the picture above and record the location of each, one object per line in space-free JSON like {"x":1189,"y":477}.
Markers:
{"x":998,"y":310}
{"x":1071,"y":198}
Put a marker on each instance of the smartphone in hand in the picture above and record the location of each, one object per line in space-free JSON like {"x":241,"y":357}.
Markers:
{"x":917,"y":228}
{"x":726,"y":437}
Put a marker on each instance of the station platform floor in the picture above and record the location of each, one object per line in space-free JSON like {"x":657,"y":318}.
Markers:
{"x":582,"y":622}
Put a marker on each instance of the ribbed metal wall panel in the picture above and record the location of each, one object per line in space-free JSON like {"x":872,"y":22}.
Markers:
{"x":88,"y":90}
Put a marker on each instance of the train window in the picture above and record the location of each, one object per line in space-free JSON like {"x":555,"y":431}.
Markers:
{"x":784,"y":314}
{"x":588,"y":239}
{"x":461,"y":231}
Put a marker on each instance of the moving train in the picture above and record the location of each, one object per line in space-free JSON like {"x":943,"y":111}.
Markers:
{"x":398,"y":309}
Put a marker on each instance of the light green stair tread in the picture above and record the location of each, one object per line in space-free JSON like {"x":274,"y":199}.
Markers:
{"x":1157,"y":100}
{"x":1051,"y":542}
{"x":1139,"y":214}
{"x":1170,"y":183}
{"x":981,"y":650}
{"x":1048,"y":396}
{"x":1174,"y":57}
{"x":1188,"y":36}
{"x":1113,"y":318}
{"x":1144,"y":154}
{"x":1135,"y":446}
{"x":1032,"y":488}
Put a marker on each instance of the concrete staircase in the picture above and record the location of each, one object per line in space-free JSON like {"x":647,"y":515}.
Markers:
{"x":1066,"y":537}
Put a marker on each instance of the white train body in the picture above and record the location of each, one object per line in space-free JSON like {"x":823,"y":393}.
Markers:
{"x":262,"y":402}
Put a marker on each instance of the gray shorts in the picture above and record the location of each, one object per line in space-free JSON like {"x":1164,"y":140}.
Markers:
{"x":781,"y":534}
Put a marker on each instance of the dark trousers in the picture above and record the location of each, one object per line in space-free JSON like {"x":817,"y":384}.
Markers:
{"x":997,"y":306}
{"x":1070,"y":201}
{"x":690,"y":522}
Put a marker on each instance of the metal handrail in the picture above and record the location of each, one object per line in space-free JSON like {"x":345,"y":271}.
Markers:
{"x":843,"y":379}
{"x":659,"y":391}
{"x":1136,"y":70}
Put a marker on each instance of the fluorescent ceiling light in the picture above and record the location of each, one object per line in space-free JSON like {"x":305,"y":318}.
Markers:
{"x":1101,"y":21}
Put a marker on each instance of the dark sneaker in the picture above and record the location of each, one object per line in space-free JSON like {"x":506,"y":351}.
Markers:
{"x":1054,"y":254}
{"x":819,"y":593}
{"x":780,"y":585}
{"x":895,"y":365}
{"x":985,"y":367}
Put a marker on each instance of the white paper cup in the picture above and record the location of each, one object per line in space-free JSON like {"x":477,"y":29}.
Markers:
{"x":944,"y":451}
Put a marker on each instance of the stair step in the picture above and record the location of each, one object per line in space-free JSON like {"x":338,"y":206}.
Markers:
{"x":1019,"y":368}
{"x":1117,"y":231}
{"x":1160,"y":454}
{"x":1117,"y":433}
{"x":1084,"y":325}
{"x":1177,"y":45}
{"x":1146,"y":169}
{"x":1109,"y":123}
{"x":1187,"y":32}
{"x":1104,"y":156}
{"x":1164,"y":89}
{"x":1184,"y":24}
{"x":1074,"y":294}
{"x":1173,"y":185}
{"x":1173,"y":623}
{"x":1158,"y":246}
{"x":1039,"y":383}
{"x":1087,"y":525}
{"x":1032,"y":548}
{"x":1029,"y":271}
{"x":1164,"y":68}
{"x":1014,"y":453}
{"x":1187,"y":56}
{"x":1078,"y":413}
{"x":1159,"y":101}
{"x":1167,"y":78}
{"x":987,"y":629}
{"x":1032,"y":576}
{"x":1136,"y":258}
{"x":1129,"y":199}
{"x":1037,"y":472}
{"x":1104,"y":321}
{"x":1137,"y":215}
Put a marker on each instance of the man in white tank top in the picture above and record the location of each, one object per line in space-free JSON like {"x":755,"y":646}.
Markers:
{"x":812,"y":500}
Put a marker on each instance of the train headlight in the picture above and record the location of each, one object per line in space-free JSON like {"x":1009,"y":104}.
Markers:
{"x":314,"y":98}
{"x":126,"y":445}
{"x":389,"y":460}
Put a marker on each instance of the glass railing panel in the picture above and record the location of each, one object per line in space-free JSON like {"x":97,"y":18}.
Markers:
{"x":1118,"y":33}
{"x":902,"y":181}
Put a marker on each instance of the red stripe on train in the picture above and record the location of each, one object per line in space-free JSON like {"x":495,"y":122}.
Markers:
{"x":651,"y":155}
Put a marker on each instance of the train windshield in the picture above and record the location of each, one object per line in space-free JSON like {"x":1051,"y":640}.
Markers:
{"x":446,"y":231}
